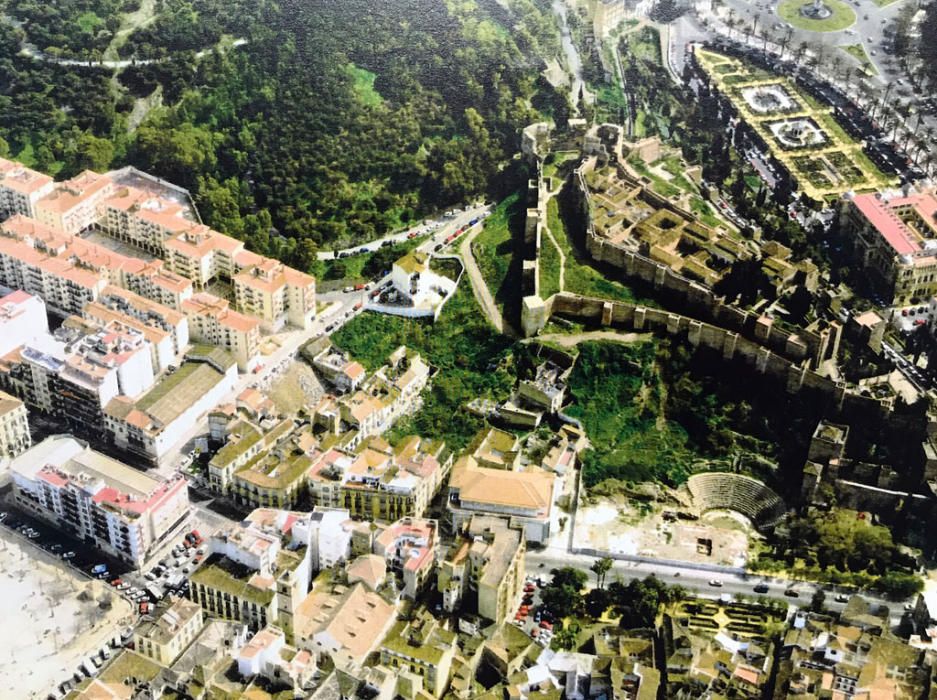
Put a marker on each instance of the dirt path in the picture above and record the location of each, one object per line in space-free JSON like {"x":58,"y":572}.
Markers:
{"x":480,"y":288}
{"x":140,"y":17}
{"x":568,"y":340}
{"x":553,"y":240}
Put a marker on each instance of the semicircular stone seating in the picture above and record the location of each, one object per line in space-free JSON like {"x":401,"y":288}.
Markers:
{"x":743,"y":494}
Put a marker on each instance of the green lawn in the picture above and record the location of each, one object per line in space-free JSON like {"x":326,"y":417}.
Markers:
{"x":553,"y":165}
{"x":858,"y":52}
{"x":842,"y":17}
{"x":494,"y":249}
{"x":703,"y":211}
{"x":88,"y":21}
{"x":471,"y":357}
{"x":661,"y":186}
{"x":549,"y":268}
{"x":364,"y":86}
{"x":579,"y":277}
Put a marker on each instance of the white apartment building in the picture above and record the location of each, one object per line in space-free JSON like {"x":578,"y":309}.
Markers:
{"x":149,"y":312}
{"x":22,"y":319}
{"x":153,"y":424}
{"x":327,"y":533}
{"x":76,"y":372}
{"x":125,"y":512}
{"x":21,"y":188}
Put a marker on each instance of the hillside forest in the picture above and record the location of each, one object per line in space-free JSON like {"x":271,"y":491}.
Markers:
{"x":297,"y":124}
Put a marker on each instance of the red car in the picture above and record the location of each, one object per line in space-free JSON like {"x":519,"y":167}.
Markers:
{"x":144,"y":608}
{"x":529,"y":588}
{"x":412,"y":234}
{"x":546,"y":625}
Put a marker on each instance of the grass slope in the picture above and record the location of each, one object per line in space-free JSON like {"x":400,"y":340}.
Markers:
{"x":618,"y":396}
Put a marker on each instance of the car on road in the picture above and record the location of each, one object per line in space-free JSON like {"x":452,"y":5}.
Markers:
{"x":761,"y":588}
{"x":715,"y":583}
{"x":791,"y":593}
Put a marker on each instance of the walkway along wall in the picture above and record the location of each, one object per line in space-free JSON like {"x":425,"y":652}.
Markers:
{"x":732,"y":345}
{"x":814,"y":347}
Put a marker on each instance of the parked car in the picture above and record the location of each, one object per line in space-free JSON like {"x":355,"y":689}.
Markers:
{"x":715,"y":583}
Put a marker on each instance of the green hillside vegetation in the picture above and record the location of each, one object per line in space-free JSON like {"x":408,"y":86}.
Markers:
{"x":283,"y":143}
{"x":473,"y":361}
{"x":494,"y":249}
{"x":619,"y":398}
{"x":660,"y":411}
{"x":73,"y":29}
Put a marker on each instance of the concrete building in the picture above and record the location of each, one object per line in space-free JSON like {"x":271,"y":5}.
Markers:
{"x":484,"y":573}
{"x":385,"y":483}
{"x":150,"y":313}
{"x":409,"y":550}
{"x":153,"y":424}
{"x":345,"y":623}
{"x":264,"y":467}
{"x":547,"y":390}
{"x":895,"y":236}
{"x":21,"y":188}
{"x":258,"y":573}
{"x":339,"y":369}
{"x":165,"y":636}
{"x":327,"y":533}
{"x":212,"y":322}
{"x":40,"y":261}
{"x":417,"y":285}
{"x":121,"y":510}
{"x":160,"y":342}
{"x":14,"y":426}
{"x":391,"y":392}
{"x":142,"y":219}
{"x":267,"y":654}
{"x":72,"y":205}
{"x":525,"y":497}
{"x":76,"y":372}
{"x":275,"y":293}
{"x":423,"y":648}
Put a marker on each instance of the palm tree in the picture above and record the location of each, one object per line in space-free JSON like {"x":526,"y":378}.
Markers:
{"x":801,"y":51}
{"x":601,"y":567}
{"x":847,"y":74}
{"x":786,"y":40}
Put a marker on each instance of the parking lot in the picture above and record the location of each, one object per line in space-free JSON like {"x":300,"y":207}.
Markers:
{"x":530,"y":616}
{"x":61,"y":620}
{"x":91,"y":600}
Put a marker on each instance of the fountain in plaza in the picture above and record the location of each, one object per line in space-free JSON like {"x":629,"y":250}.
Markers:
{"x":816,"y":10}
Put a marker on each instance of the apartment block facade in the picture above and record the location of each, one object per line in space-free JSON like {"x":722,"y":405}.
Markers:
{"x":123,"y":511}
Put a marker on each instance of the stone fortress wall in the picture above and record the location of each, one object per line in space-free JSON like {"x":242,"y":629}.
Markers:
{"x":790,"y":355}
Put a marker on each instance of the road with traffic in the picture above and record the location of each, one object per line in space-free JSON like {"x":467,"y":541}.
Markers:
{"x":706,"y":584}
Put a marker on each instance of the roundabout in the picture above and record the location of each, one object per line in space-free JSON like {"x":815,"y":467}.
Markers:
{"x":817,"y":15}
